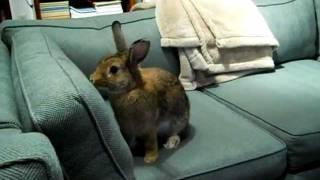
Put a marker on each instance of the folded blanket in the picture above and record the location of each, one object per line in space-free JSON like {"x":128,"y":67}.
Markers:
{"x":218,"y":40}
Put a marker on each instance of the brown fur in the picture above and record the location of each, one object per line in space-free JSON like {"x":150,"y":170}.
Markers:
{"x":143,"y":98}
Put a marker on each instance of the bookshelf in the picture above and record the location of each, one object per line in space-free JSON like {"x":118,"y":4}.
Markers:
{"x":128,"y":4}
{"x":4,"y":10}
{"x":96,"y":8}
{"x":84,"y":8}
{"x":52,"y":9}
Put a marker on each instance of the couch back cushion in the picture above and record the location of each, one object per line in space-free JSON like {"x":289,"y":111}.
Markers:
{"x":87,"y":41}
{"x":61,"y":103}
{"x":293,"y":22}
{"x":8,"y":109}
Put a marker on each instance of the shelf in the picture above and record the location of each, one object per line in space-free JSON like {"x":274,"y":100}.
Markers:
{"x":126,"y":5}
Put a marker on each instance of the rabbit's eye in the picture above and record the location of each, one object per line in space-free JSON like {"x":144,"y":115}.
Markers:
{"x":114,"y":69}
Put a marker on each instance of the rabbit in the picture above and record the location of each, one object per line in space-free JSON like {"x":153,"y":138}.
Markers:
{"x":147,"y":102}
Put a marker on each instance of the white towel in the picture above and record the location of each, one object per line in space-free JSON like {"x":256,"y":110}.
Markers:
{"x":218,"y":40}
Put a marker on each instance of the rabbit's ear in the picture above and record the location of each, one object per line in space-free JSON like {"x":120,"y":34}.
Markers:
{"x":138,"y":51}
{"x":119,"y":37}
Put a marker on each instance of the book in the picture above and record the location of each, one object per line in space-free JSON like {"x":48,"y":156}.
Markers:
{"x":78,"y":13}
{"x":113,"y":6}
{"x":55,"y":10}
{"x":110,"y":8}
{"x":106,"y":3}
{"x":56,"y":14}
{"x":82,"y":12}
{"x":57,"y":17}
{"x":98,"y":9}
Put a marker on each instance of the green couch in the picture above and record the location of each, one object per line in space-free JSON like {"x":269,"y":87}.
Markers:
{"x":54,"y":124}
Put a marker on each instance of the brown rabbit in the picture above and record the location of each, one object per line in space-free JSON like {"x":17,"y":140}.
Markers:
{"x":147,"y":101}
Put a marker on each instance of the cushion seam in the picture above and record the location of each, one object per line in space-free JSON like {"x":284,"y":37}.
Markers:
{"x":247,"y":118}
{"x":70,"y":27}
{"x":106,"y":145}
{"x":232,"y":165}
{"x":274,"y":4}
{"x":23,"y":90}
{"x":10,"y":125}
{"x":256,"y":116}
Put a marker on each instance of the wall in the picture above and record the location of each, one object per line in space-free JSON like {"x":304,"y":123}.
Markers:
{"x":22,"y":9}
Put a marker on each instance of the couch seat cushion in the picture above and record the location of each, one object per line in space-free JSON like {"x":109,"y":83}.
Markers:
{"x":221,"y":145}
{"x":286,"y":102}
{"x":27,"y":156}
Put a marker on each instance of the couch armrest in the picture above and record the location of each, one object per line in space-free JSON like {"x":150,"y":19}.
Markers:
{"x":61,"y":103}
{"x":27,"y":156}
{"x":317,"y":8}
{"x":8,"y":111}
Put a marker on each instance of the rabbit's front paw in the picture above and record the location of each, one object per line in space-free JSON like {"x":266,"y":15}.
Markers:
{"x":172,"y":142}
{"x":92,"y":78}
{"x":150,"y":158}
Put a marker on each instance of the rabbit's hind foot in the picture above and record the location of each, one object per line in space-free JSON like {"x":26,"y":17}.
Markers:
{"x":172,"y":142}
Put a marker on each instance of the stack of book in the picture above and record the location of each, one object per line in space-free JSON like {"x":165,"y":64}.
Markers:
{"x":110,"y":7}
{"x":98,"y":9}
{"x":82,"y":12}
{"x":55,"y":10}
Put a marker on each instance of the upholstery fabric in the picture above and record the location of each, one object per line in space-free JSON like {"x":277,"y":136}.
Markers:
{"x":220,"y":145}
{"x":8,"y":109}
{"x":286,"y":102}
{"x":22,"y":171}
{"x":62,"y":104}
{"x":293,"y":23}
{"x":317,"y":9}
{"x":27,"y":156}
{"x":309,"y":174}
